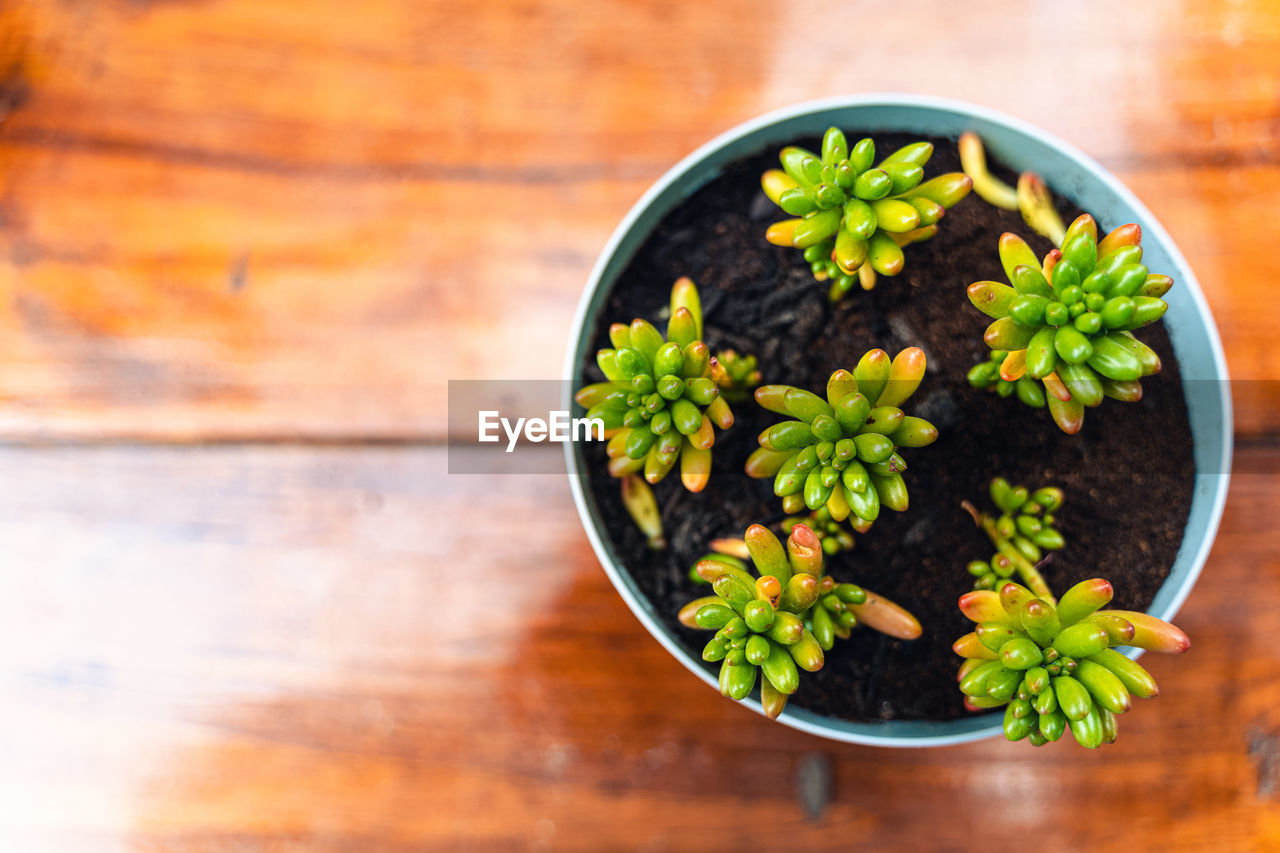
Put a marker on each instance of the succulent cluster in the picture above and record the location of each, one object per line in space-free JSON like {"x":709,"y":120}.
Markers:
{"x":1055,"y":667}
{"x":841,"y":452}
{"x":660,"y":403}
{"x":1067,"y":322}
{"x":834,"y":535}
{"x":736,"y":375}
{"x":853,"y":217}
{"x":783,"y":618}
{"x":1021,"y":533}
{"x":1061,"y":338}
{"x":758,"y":621}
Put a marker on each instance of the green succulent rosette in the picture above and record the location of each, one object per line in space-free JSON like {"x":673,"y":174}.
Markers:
{"x":778,"y":621}
{"x":660,"y":403}
{"x":1055,"y":668}
{"x":841,"y":452}
{"x":853,"y":216}
{"x":1066,"y":323}
{"x":758,"y":619}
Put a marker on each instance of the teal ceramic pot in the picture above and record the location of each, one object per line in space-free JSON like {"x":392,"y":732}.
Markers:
{"x":1022,"y":147}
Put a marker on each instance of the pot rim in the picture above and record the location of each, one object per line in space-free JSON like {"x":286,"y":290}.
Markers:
{"x":932,"y":733}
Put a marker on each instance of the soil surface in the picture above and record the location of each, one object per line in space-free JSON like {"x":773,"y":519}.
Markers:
{"x":1128,"y":475}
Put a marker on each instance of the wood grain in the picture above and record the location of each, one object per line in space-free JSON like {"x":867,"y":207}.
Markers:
{"x":299,"y":663}
{"x":243,"y":247}
{"x":205,"y":200}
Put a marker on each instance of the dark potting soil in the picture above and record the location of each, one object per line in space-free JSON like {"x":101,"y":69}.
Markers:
{"x":1128,"y":475}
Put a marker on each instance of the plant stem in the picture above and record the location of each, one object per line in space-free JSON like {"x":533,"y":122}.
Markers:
{"x":1030,"y":574}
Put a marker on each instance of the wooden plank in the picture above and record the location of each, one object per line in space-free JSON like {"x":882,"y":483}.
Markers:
{"x":237,"y":220}
{"x":331,"y":649}
{"x":217,"y":330}
{"x":257,"y":317}
{"x":411,"y":84}
{"x":1208,"y":211}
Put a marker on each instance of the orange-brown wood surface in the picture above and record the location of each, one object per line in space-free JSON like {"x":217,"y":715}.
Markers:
{"x":244,"y":245}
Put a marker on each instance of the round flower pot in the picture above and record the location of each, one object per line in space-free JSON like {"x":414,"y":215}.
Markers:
{"x":1069,"y":172}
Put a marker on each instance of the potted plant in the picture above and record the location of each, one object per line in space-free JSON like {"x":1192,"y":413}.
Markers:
{"x":713,"y":219}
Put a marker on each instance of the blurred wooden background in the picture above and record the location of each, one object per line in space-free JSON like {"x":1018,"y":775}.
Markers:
{"x":244,"y":244}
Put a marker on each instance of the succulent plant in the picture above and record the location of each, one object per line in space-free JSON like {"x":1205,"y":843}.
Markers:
{"x":841,"y":452}
{"x":659,"y":403}
{"x":1021,"y":533}
{"x":780,"y":620}
{"x":834,"y":535}
{"x":735,"y":374}
{"x":758,"y":620}
{"x":853,"y":218}
{"x":1067,"y":322}
{"x":1056,"y":667}
{"x":1031,"y":197}
{"x":638,"y":500}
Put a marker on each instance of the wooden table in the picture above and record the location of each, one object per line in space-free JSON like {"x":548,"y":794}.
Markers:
{"x":244,"y":244}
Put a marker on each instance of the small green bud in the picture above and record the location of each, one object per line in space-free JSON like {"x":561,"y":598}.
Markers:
{"x":741,"y":680}
{"x":1088,"y":729}
{"x":1017,"y":727}
{"x":873,"y":447}
{"x":1066,"y":282}
{"x":1081,"y":640}
{"x":1003,"y":683}
{"x":872,"y":184}
{"x":1020,"y":654}
{"x":758,"y":615}
{"x":780,"y":669}
{"x":862,"y":155}
{"x":1072,"y":697}
{"x":1088,"y":323}
{"x":1071,"y":345}
{"x":823,"y":628}
{"x":713,"y":616}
